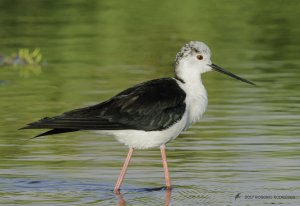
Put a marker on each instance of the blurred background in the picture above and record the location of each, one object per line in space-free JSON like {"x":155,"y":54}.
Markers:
{"x":60,"y":55}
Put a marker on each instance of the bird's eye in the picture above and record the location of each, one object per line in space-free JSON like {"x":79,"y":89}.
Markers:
{"x":200,"y":57}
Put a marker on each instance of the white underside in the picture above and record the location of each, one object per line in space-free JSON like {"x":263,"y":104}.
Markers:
{"x":196,"y":103}
{"x":146,"y":139}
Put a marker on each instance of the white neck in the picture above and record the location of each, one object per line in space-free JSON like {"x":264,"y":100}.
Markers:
{"x":196,"y":96}
{"x":190,"y":75}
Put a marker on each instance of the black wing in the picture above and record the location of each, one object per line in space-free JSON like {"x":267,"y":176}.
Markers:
{"x":149,"y":106}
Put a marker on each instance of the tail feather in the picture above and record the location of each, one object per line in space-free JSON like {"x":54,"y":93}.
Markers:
{"x":55,"y":131}
{"x":61,"y":122}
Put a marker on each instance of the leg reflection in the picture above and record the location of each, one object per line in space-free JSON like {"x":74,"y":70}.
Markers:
{"x":168,"y":194}
{"x":121,"y":199}
{"x":168,"y":197}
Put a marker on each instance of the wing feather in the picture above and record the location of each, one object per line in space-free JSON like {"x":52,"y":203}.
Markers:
{"x":153,"y":105}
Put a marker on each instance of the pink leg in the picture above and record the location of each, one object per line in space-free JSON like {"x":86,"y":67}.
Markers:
{"x":165,"y":165}
{"x":123,"y":171}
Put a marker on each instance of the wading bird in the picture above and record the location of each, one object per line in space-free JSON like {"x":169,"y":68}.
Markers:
{"x":149,"y":114}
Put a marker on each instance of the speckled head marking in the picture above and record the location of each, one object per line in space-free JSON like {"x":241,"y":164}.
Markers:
{"x":192,"y":48}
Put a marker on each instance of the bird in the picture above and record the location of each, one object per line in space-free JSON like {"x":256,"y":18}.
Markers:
{"x":149,"y":114}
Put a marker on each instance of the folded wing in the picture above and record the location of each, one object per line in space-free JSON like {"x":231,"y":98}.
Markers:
{"x":153,"y":105}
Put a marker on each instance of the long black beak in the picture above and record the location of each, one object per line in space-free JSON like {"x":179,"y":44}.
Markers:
{"x":221,"y":70}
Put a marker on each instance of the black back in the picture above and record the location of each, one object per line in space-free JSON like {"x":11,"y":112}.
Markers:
{"x":149,"y":106}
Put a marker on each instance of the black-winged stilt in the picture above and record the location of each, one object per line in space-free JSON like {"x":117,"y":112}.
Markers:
{"x":149,"y":114}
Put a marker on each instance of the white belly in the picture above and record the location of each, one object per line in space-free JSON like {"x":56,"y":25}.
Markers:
{"x":147,"y":139}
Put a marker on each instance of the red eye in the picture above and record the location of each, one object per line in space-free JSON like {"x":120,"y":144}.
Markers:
{"x":200,"y":57}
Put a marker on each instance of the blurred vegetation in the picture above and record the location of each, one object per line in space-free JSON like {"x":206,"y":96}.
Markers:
{"x":23,"y":57}
{"x":24,"y":61}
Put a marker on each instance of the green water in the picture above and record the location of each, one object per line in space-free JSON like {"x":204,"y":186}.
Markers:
{"x":248,"y":141}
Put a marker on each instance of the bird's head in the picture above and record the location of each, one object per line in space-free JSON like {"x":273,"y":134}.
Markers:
{"x":194,"y":58}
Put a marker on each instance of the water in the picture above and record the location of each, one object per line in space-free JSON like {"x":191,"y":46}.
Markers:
{"x":248,"y":141}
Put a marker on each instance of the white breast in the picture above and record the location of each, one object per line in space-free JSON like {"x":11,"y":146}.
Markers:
{"x":196,"y":101}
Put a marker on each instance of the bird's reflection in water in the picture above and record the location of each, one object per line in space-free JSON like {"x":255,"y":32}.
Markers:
{"x":168,"y":193}
{"x":121,"y":199}
{"x":168,"y":197}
